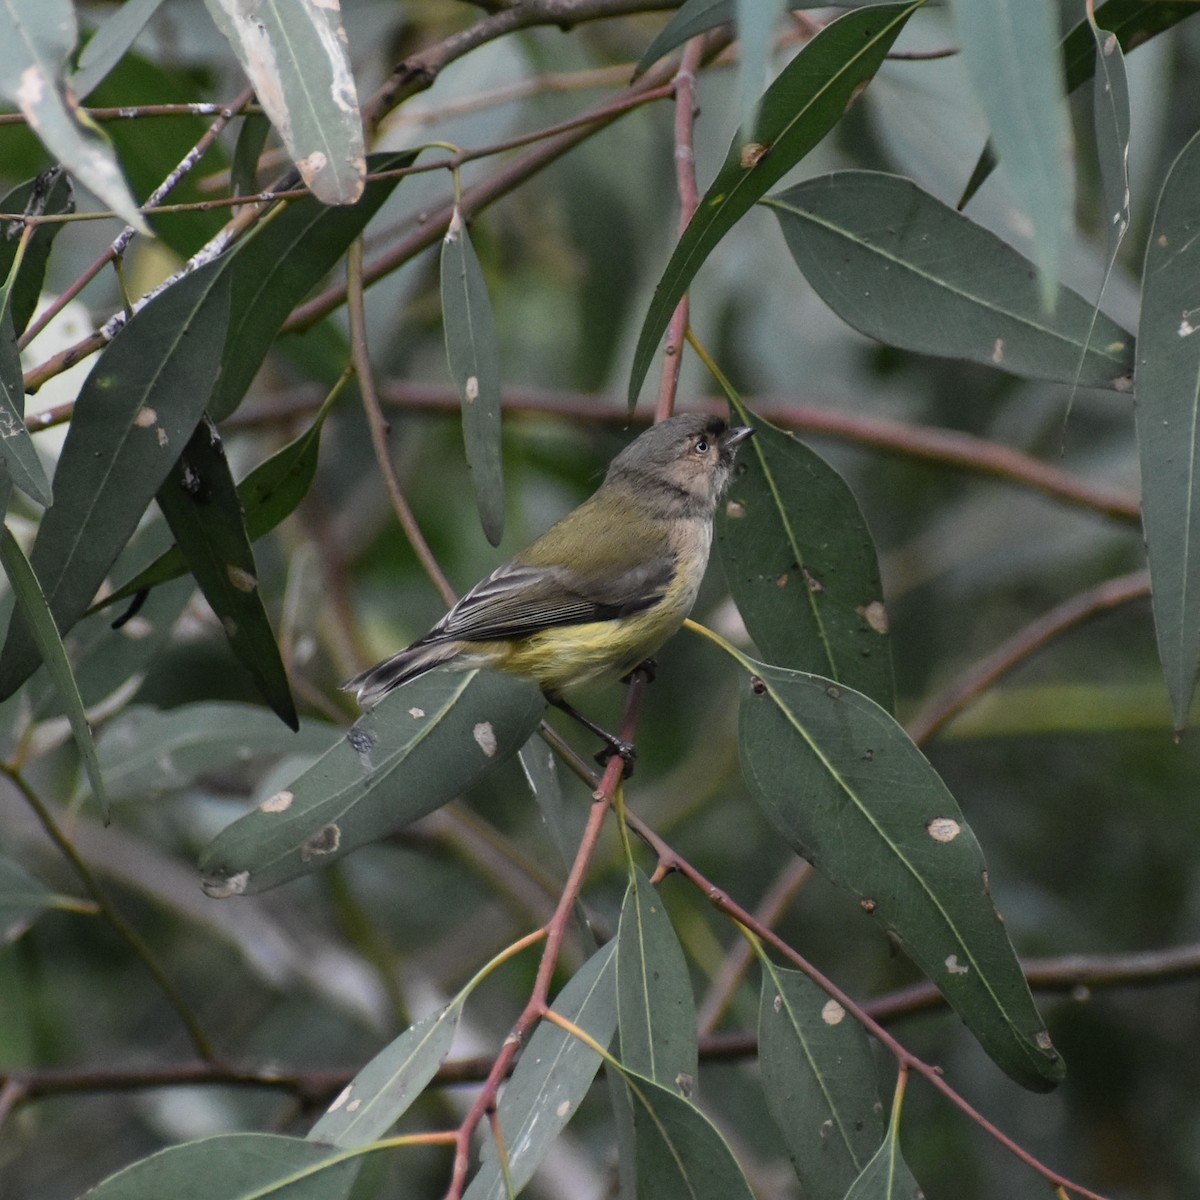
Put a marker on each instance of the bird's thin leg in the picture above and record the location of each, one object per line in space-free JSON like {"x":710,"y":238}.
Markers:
{"x":626,"y":751}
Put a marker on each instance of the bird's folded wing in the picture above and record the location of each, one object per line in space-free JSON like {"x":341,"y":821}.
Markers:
{"x":519,"y":600}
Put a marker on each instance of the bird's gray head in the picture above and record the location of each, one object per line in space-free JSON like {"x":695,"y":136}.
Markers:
{"x":690,"y":456}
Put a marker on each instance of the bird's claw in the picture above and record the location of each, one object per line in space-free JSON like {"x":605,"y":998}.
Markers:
{"x":625,"y":751}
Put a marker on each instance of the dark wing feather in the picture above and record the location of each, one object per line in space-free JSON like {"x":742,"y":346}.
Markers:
{"x":519,"y":600}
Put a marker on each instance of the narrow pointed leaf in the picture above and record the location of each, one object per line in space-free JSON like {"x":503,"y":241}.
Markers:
{"x":655,"y":1003}
{"x":551,"y":1077}
{"x":900,"y":266}
{"x":372,"y":1102}
{"x":47,"y":194}
{"x":200,"y":501}
{"x":22,"y":900}
{"x":235,"y":1166}
{"x":16,"y":446}
{"x":1168,"y":415}
{"x":108,"y":45}
{"x":298,"y":59}
{"x":818,"y":1076}
{"x":35,"y":42}
{"x":416,"y":750}
{"x":680,"y":1153}
{"x":847,"y":789}
{"x":1012,"y":58}
{"x":276,"y":268}
{"x":268,"y":494}
{"x":801,"y":565}
{"x":1134,"y":22}
{"x":252,"y":137}
{"x":473,"y":351}
{"x":541,"y":773}
{"x":32,"y":604}
{"x":146,"y":753}
{"x":798,"y":110}
{"x":135,"y":413}
{"x":886,"y":1176}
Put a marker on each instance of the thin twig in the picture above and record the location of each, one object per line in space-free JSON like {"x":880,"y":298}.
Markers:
{"x":689,"y":200}
{"x":943,"y":708}
{"x":379,"y":430}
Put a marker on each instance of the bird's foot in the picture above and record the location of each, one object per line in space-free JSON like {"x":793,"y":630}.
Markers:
{"x":625,"y":751}
{"x":648,"y":667}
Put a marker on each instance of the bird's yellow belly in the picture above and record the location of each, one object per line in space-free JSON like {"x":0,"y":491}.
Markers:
{"x":572,"y":655}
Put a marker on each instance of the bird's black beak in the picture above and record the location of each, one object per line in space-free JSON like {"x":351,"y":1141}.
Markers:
{"x":732,"y":438}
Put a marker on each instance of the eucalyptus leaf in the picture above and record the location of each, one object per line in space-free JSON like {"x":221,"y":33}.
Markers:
{"x":22,"y":900}
{"x":680,"y":1153}
{"x":900,"y":266}
{"x":416,"y":750}
{"x":31,"y":603}
{"x":36,"y":41}
{"x":1167,"y":412}
{"x":1011,"y":56}
{"x":1134,"y":22}
{"x":807,"y":99}
{"x":473,"y":351}
{"x":551,"y":1078}
{"x":847,"y":789}
{"x":371,"y":1103}
{"x":235,"y":1166}
{"x":108,"y":45}
{"x":16,"y":446}
{"x":298,"y":59}
{"x":201,"y":504}
{"x":47,"y":194}
{"x":818,"y":1076}
{"x":135,"y":413}
{"x":655,"y":1004}
{"x":886,"y":1176}
{"x":801,"y":565}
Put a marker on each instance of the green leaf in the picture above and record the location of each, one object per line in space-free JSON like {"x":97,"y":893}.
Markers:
{"x":134,"y":415}
{"x":886,"y":1176}
{"x":271,"y":492}
{"x":655,"y":1004}
{"x":1110,"y":113}
{"x":420,"y":747}
{"x":680,"y":1154}
{"x":16,"y":446}
{"x":699,"y":16}
{"x":1011,"y":57}
{"x":35,"y":42}
{"x":473,"y":351}
{"x":252,"y":137}
{"x":32,"y":604}
{"x":235,"y":1166}
{"x":47,"y":194}
{"x":279,"y":265}
{"x":541,"y":773}
{"x":847,"y":789}
{"x":1167,"y":413}
{"x":1133,"y":21}
{"x":798,"y":110}
{"x":298,"y":59}
{"x":22,"y":900}
{"x":382,"y":1091}
{"x":900,"y":266}
{"x":146,"y":753}
{"x":108,"y":45}
{"x":801,"y":565}
{"x":551,"y":1077}
{"x":818,"y":1076}
{"x":200,"y":502}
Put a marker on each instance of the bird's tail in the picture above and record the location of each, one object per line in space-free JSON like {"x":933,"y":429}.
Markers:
{"x":370,"y":686}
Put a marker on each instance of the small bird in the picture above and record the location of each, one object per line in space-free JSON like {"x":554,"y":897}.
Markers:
{"x":599,"y":591}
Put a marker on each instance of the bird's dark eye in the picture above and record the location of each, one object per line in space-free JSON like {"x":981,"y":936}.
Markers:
{"x":702,"y":446}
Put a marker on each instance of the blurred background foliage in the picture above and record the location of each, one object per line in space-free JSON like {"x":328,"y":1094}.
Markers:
{"x":1067,"y":769}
